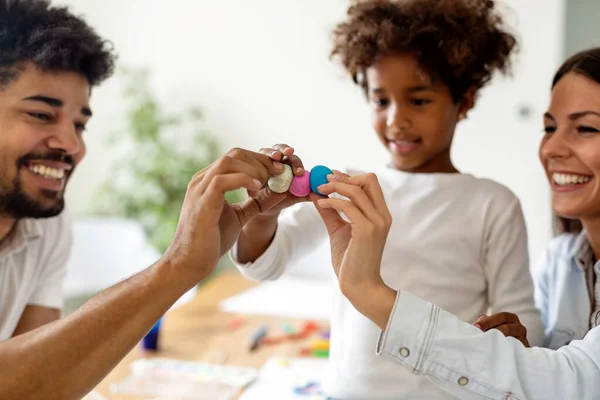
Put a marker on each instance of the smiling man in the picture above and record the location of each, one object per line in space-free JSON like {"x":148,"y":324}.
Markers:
{"x":49,"y":62}
{"x":46,"y":74}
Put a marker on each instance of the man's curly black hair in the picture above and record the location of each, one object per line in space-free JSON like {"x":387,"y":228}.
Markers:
{"x":462,"y":42}
{"x":53,"y":39}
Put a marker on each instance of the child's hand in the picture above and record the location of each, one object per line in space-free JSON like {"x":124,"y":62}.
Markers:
{"x":272,"y":203}
{"x":356,"y":247}
{"x":507,"y":323}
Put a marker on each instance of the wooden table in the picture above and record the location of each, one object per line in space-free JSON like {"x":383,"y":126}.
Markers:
{"x":198,"y":331}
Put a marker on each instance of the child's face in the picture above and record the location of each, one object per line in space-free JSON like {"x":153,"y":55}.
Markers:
{"x":413,"y":116}
{"x":570,"y":149}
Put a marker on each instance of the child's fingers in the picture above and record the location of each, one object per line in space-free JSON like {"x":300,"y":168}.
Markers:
{"x":285,"y":154}
{"x":275,"y":155}
{"x":516,"y":331}
{"x":286,"y":150}
{"x":296,"y":164}
{"x":513,"y":330}
{"x":485,"y":323}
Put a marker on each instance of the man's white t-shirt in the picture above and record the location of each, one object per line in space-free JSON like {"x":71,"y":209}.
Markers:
{"x":33,"y":260}
{"x":456,"y":240}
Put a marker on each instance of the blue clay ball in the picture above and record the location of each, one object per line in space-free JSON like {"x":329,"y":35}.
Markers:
{"x":318,"y":177}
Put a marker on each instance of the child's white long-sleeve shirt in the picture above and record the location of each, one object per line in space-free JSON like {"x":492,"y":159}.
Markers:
{"x":456,"y":240}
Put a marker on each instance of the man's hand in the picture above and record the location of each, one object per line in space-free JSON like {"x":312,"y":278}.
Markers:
{"x":273,"y":203}
{"x":208,"y":225}
{"x":507,"y":323}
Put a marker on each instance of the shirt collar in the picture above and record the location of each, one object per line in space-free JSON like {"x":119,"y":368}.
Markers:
{"x":24,"y":231}
{"x":582,"y":252}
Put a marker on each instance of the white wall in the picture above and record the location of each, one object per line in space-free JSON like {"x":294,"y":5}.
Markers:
{"x":582,"y":29}
{"x":260,"y":69}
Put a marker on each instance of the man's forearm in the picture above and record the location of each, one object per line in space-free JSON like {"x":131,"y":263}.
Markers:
{"x":67,"y":358}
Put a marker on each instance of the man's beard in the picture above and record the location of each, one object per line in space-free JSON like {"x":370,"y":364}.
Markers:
{"x":16,"y":203}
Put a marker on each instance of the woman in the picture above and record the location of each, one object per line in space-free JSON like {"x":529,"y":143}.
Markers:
{"x":457,"y":356}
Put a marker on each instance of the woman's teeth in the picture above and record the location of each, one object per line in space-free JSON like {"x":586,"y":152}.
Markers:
{"x":568,"y":179}
{"x":47,"y":172}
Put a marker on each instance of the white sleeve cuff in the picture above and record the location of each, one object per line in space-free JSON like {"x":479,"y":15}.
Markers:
{"x":409,"y":331}
{"x":264,"y":267}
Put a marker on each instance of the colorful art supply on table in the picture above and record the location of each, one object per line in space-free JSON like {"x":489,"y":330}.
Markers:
{"x":258,"y":337}
{"x":308,"y":328}
{"x":288,"y":328}
{"x":235,"y":323}
{"x":150,"y":341}
{"x":311,"y":388}
{"x":317,"y":348}
{"x":310,"y":352}
{"x":320,"y":344}
{"x":289,"y":379}
{"x":183,"y":380}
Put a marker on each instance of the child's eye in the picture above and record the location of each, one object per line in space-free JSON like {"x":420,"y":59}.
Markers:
{"x":420,"y":102}
{"x":587,"y":129}
{"x":381,"y":102}
{"x":549,"y":129}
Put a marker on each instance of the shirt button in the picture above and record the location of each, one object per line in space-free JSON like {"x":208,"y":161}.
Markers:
{"x":462,"y":381}
{"x":404,"y":352}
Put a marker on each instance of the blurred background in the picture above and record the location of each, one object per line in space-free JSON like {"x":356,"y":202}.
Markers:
{"x":197,"y":77}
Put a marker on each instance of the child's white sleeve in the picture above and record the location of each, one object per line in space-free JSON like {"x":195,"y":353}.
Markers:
{"x":300,"y":229}
{"x":506,"y":264}
{"x":469,"y":364}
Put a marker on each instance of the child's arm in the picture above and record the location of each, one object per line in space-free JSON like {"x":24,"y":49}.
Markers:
{"x":506,"y":265}
{"x":268,"y":243}
{"x":296,"y":233}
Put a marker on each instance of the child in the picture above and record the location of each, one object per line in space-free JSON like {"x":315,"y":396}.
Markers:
{"x":457,"y":240}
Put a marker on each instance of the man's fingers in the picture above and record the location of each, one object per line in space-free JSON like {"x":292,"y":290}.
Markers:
{"x":259,"y":166}
{"x":214,"y":195}
{"x":258,"y":160}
